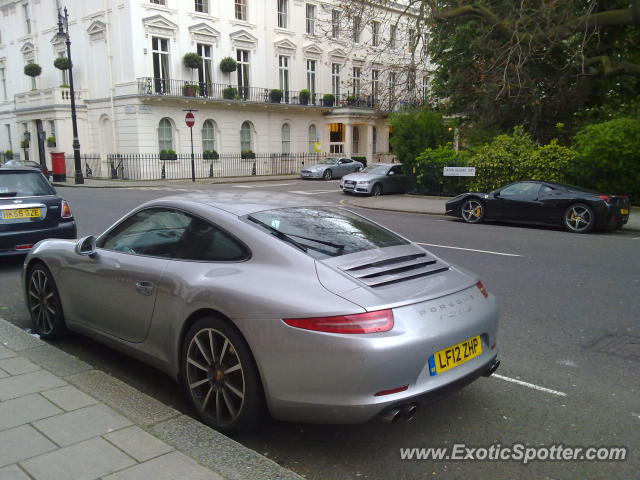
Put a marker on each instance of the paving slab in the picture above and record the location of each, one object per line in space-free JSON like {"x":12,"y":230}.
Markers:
{"x":56,"y":361}
{"x":86,"y":460}
{"x":138,"y":443}
{"x":22,"y":442}
{"x":17,"y":339}
{"x":13,"y":472}
{"x":82,"y":424}
{"x":139,"y":407}
{"x":18,"y":366}
{"x":24,"y":410}
{"x":20,"y":385}
{"x":3,"y":374}
{"x":5,"y":352}
{"x":69,"y":398}
{"x":172,"y":466}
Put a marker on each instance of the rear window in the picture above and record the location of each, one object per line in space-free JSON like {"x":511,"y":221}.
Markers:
{"x":326,"y":231}
{"x":24,"y":184}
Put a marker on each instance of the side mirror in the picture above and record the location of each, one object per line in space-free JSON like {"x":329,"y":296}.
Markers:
{"x":86,"y":246}
{"x":496,"y":195}
{"x":391,"y":173}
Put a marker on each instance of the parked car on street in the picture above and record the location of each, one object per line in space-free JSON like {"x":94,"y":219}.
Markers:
{"x":30,"y":211}
{"x":546,"y":203}
{"x":331,"y":167}
{"x":254,"y":299}
{"x":30,"y":164}
{"x":377,"y":179}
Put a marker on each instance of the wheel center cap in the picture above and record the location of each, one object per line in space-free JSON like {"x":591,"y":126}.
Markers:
{"x":218,"y":375}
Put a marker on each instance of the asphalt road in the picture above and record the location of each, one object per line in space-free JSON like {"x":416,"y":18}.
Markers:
{"x":569,"y":334}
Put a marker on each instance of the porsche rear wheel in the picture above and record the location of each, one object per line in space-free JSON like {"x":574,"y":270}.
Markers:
{"x":579,"y":218}
{"x":328,"y":175}
{"x":472,"y":211}
{"x":44,"y":304}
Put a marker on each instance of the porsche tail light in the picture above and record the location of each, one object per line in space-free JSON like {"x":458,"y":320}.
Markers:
{"x":369,"y":322}
{"x":66,"y":210}
{"x":483,"y":290}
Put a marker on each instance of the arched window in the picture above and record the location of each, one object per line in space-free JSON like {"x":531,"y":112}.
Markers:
{"x":246,"y":142}
{"x":374,"y":139}
{"x":313,"y":138}
{"x":165,"y":135}
{"x":208,"y":136}
{"x":286,"y":138}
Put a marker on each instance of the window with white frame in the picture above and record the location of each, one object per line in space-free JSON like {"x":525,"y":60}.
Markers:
{"x":7,"y":128}
{"x":335,"y":24}
{"x":375,"y":85}
{"x":311,"y":76}
{"x":241,"y":9}
{"x":393,"y":34}
{"x":160,"y":53}
{"x":202,"y":6}
{"x":3,"y":83}
{"x":246,"y":141}
{"x":205,"y":70}
{"x":313,"y":138}
{"x":375,"y":33}
{"x":374,"y":140}
{"x":165,"y":134}
{"x":159,"y":2}
{"x":311,"y":18}
{"x":242,"y":71}
{"x":283,"y":13}
{"x":208,"y":136}
{"x":357,"y":28}
{"x":392,"y":89}
{"x":286,"y":138}
{"x":27,"y":18}
{"x":283,"y":73}
{"x":412,"y":39}
{"x":52,"y":128}
{"x":335,"y":79}
{"x":357,"y":75}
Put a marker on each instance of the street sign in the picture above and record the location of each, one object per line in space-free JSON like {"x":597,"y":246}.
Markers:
{"x":189,"y":119}
{"x":459,"y":171}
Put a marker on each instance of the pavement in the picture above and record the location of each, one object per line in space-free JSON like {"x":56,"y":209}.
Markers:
{"x":60,"y":419}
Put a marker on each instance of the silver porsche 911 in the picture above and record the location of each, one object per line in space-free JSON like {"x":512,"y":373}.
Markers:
{"x":260,"y":299}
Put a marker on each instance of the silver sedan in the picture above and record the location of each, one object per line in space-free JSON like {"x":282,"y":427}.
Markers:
{"x":331,"y":167}
{"x":377,"y":179}
{"x":257,"y":300}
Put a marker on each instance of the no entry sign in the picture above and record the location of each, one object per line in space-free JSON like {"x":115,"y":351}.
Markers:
{"x":189,"y":119}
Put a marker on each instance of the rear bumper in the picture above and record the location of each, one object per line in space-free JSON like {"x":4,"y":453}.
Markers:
{"x":9,"y":240}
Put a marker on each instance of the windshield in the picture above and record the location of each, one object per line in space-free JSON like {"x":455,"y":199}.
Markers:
{"x":376,"y":169}
{"x":328,"y":161}
{"x":327,"y":231}
{"x":24,"y":184}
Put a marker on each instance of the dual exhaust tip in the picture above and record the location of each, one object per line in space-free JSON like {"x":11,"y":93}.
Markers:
{"x":402,"y":412}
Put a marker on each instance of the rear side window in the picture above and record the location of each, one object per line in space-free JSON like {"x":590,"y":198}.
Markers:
{"x":24,"y":184}
{"x":204,"y":242}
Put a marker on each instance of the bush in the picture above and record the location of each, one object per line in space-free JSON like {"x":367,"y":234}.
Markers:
{"x":275,"y":96}
{"x":247,"y":154}
{"x":51,"y":141}
{"x":32,"y":69}
{"x":362,"y":160}
{"x":351,"y":99}
{"x":228,"y":65}
{"x":24,"y":144}
{"x":230,"y":93}
{"x":62,"y":63}
{"x":429,"y":167}
{"x":8,"y":155}
{"x":305,"y":95}
{"x":192,"y":60}
{"x":328,"y":100}
{"x":210,"y":155}
{"x":168,"y":155}
{"x":190,"y":89}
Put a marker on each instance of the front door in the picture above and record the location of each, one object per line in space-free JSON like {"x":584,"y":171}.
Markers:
{"x":520,"y":202}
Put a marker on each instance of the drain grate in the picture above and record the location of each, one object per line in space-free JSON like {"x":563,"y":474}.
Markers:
{"x":621,"y":345}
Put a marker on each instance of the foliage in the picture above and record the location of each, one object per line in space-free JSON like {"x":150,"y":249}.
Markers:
{"x":192,"y":60}
{"x":51,"y":141}
{"x":275,"y":95}
{"x":413,"y":131}
{"x":230,"y":93}
{"x":304,"y":96}
{"x":190,"y":89}
{"x":328,"y":100}
{"x":210,"y":155}
{"x":228,"y":65}
{"x":32,"y":69}
{"x":8,"y":155}
{"x":428,"y":167}
{"x":168,"y":155}
{"x":24,"y":144}
{"x":247,"y":154}
{"x":351,"y":99}
{"x":62,"y":63}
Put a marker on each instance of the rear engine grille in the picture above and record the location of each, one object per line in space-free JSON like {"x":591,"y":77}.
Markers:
{"x":396,"y":269}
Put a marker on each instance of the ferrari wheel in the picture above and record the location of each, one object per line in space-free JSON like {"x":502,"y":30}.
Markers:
{"x":472,"y":211}
{"x":579,"y":218}
{"x":44,"y":305}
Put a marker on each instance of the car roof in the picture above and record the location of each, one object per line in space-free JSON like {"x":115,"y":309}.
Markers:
{"x":241,"y":202}
{"x":18,"y":168}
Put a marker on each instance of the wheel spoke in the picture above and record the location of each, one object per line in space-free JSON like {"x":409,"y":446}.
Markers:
{"x":212,"y":345}
{"x":218,"y":407}
{"x":236,"y":367}
{"x":205,"y":402}
{"x":224,"y":349}
{"x":233,"y":389}
{"x":204,"y":354}
{"x":197,"y":365}
{"x":37,"y":305}
{"x":198,"y":383}
{"x":229,"y":404}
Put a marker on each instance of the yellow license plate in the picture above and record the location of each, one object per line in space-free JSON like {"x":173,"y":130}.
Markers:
{"x":624,"y":211}
{"x":21,"y":213}
{"x":455,"y":355}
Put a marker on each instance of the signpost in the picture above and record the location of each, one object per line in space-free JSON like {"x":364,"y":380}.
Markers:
{"x":459,"y":171}
{"x":190,"y":120}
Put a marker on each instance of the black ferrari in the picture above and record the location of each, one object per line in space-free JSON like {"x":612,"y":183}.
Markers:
{"x":543,"y":203}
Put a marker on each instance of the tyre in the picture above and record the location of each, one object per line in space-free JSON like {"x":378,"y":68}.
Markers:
{"x":579,"y":218}
{"x":376,"y":191}
{"x":220,"y":376}
{"x":472,"y":211}
{"x":327,"y":175}
{"x":44,"y":304}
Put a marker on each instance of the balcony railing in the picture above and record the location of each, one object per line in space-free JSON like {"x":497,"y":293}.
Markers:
{"x":226,"y":92}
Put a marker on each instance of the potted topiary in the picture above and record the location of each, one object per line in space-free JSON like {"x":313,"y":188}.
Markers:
{"x":328,"y":100}
{"x":24,"y":144}
{"x":247,"y":154}
{"x":230,"y":93}
{"x":32,"y":69}
{"x":168,"y":155}
{"x":210,"y":155}
{"x":304,"y":97}
{"x":228,"y":65}
{"x":62,"y":63}
{"x":192,"y":61}
{"x":51,"y":141}
{"x":8,"y":155}
{"x":275,"y":95}
{"x":190,"y":89}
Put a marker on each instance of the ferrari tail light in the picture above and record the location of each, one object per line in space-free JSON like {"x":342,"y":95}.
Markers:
{"x":369,"y":322}
{"x":483,"y":290}
{"x":606,"y":198}
{"x":66,"y":210}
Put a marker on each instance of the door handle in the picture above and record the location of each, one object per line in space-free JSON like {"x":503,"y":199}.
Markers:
{"x":145,"y":288}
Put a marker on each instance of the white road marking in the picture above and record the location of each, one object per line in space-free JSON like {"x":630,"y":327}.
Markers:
{"x":244,"y":186}
{"x":635,"y":414}
{"x":469,"y":249}
{"x":529,"y":385}
{"x":310,"y":192}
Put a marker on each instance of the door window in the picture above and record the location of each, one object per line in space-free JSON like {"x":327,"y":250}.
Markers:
{"x":520,"y":189}
{"x":205,"y":242}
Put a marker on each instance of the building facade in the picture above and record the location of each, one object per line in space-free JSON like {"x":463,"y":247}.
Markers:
{"x":305,"y":77}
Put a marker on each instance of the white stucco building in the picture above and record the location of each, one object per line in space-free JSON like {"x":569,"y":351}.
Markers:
{"x":132,"y":86}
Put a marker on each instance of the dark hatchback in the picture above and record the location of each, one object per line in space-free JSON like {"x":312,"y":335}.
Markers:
{"x":30,"y":211}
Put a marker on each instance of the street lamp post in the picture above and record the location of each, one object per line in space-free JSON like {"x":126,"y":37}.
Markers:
{"x":63,"y":32}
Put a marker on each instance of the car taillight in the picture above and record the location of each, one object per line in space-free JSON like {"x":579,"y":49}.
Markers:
{"x":66,"y":210}
{"x":483,"y":290}
{"x":606,"y":198}
{"x":370,"y":322}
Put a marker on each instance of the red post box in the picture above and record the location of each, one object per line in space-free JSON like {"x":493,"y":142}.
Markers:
{"x":59,"y":167}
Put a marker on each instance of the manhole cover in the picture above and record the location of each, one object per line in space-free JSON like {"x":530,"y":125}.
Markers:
{"x":622,"y":345}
